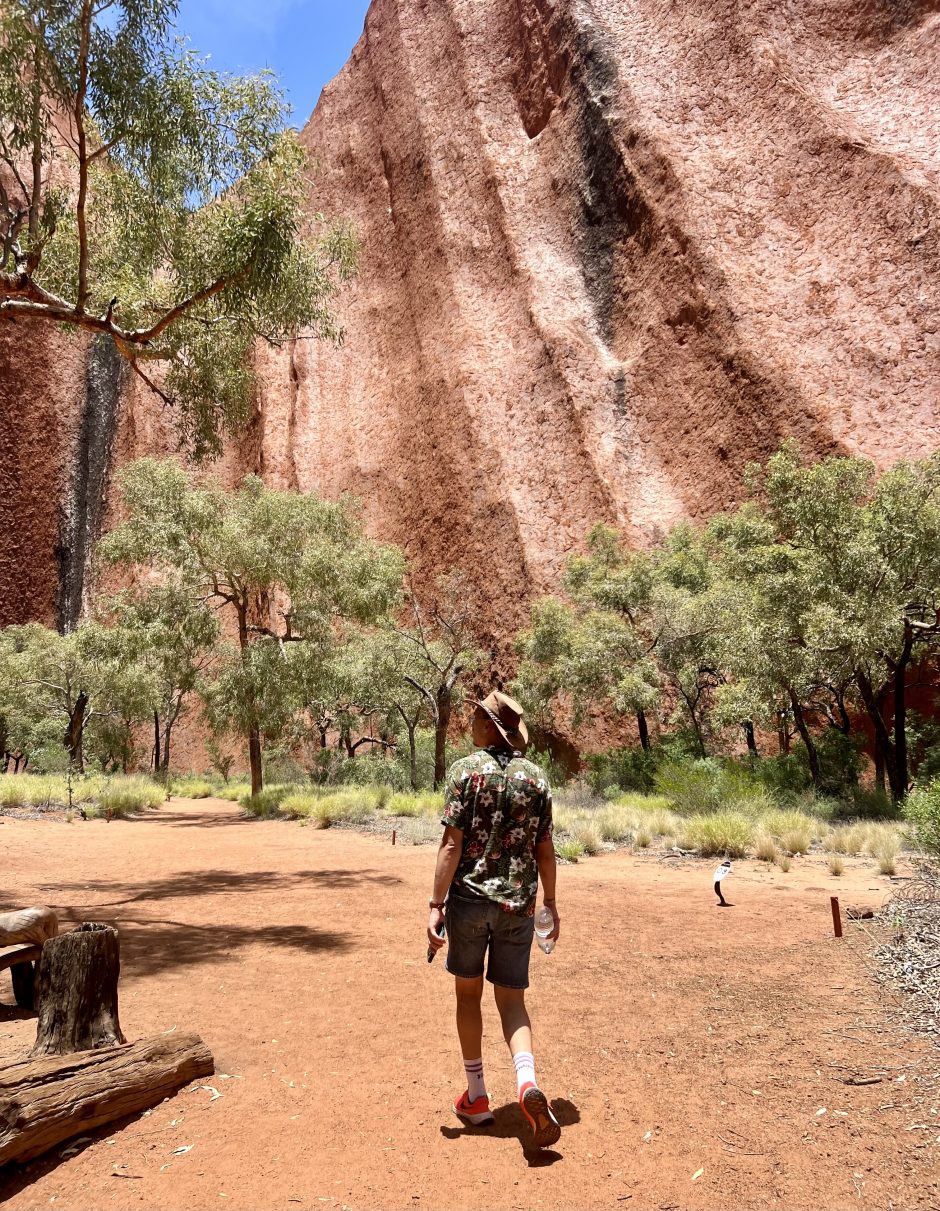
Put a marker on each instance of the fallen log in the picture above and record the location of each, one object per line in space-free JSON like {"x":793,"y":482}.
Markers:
{"x":48,"y":1100}
{"x":77,"y":991}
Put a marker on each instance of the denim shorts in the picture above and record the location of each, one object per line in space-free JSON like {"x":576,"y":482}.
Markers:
{"x":475,"y":925}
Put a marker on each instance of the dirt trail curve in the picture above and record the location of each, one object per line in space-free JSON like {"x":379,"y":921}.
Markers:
{"x":677,"y":1037}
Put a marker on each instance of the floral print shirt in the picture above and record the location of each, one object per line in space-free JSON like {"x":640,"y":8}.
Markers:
{"x":503,"y":806}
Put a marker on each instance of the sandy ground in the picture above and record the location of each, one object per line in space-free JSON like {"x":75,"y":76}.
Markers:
{"x":696,"y":1056}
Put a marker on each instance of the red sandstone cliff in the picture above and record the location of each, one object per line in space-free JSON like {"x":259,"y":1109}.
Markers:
{"x":611,"y":252}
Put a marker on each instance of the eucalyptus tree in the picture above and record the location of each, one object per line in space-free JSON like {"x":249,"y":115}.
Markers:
{"x":439,"y":633}
{"x":57,"y":687}
{"x":146,"y":198}
{"x":172,"y":638}
{"x":285,"y":571}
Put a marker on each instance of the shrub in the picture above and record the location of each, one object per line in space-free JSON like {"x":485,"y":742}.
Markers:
{"x":691,"y":786}
{"x":836,"y":864}
{"x":719,"y":834}
{"x":626,"y":768}
{"x":193,"y":788}
{"x":569,"y":849}
{"x":887,"y":863}
{"x":644,"y":838}
{"x":121,"y":797}
{"x":922,"y":813}
{"x":765,"y":848}
{"x":783,"y":862}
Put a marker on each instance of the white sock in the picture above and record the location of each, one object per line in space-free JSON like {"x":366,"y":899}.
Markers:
{"x":475,"y":1083}
{"x":525,"y":1068}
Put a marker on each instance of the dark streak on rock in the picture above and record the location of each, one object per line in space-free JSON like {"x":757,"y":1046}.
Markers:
{"x":81,"y":514}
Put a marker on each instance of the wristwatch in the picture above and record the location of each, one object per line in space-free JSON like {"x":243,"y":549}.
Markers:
{"x":435,"y":904}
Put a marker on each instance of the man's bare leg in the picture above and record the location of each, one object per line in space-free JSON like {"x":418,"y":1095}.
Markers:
{"x":517,"y":1030}
{"x":473,"y":1106}
{"x":469,"y":1016}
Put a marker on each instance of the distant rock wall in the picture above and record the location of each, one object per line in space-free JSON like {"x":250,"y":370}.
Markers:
{"x":611,"y":253}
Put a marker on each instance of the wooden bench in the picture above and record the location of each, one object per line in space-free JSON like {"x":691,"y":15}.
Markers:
{"x":20,"y":961}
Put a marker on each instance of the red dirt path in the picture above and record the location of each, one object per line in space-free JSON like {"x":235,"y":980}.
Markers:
{"x":676,"y":1037}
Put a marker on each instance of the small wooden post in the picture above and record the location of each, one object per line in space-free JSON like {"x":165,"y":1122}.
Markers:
{"x":836,"y":916}
{"x":394,"y":835}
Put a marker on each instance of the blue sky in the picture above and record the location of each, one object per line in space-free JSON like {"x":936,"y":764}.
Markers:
{"x":305,"y":42}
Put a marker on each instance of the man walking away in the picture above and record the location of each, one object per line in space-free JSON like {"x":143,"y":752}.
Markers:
{"x":497,"y":845}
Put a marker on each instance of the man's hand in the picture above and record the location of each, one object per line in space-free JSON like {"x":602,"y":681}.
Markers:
{"x":435,"y":921}
{"x":556,"y":932}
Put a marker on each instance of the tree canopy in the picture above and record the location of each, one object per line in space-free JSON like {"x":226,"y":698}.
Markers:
{"x":146,"y":197}
{"x":286,"y":571}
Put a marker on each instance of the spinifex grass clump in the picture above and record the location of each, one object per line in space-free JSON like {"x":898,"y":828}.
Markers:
{"x":569,"y":849}
{"x":193,"y":788}
{"x":718,"y":834}
{"x":121,"y":797}
{"x":793,"y":829}
{"x":420,"y":803}
{"x":765,"y":848}
{"x":266,"y":803}
{"x":324,"y":810}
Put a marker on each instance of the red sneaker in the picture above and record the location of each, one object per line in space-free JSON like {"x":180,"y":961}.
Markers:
{"x":475,"y":1113}
{"x":546,"y":1129}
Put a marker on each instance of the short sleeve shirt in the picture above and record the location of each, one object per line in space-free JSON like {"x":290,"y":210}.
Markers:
{"x":503,"y":807}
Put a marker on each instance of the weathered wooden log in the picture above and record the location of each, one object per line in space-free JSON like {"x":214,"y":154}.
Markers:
{"x":77,"y":991}
{"x":45,"y":1101}
{"x":30,"y":925}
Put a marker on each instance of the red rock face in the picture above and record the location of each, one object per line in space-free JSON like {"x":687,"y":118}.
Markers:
{"x":611,"y":252}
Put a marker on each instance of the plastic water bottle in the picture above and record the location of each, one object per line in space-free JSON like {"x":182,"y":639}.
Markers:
{"x":544,"y":924}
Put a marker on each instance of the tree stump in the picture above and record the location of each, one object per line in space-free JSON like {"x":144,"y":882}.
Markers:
{"x":77,"y":991}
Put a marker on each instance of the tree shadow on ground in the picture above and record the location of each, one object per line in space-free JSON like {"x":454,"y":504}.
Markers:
{"x":511,"y":1123}
{"x":15,"y":1013}
{"x":173,"y":818}
{"x":148,"y":947}
{"x":193,"y":884}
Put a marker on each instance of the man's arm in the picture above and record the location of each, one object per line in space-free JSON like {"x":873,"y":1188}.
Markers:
{"x":448,"y":859}
{"x":545,"y":860}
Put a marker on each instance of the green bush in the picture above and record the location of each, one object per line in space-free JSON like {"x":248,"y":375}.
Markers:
{"x":569,"y":849}
{"x":922,"y":813}
{"x":121,"y":797}
{"x":629,"y":769}
{"x":718,"y":834}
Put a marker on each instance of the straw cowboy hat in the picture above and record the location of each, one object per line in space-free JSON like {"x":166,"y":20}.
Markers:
{"x":505,"y":714}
